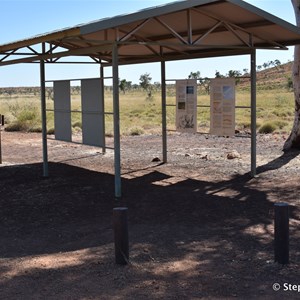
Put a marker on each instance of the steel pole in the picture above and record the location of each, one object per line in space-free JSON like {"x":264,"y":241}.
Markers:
{"x":117,"y":148}
{"x":253,"y":113}
{"x":164,"y":111}
{"x":44,"y":117}
{"x":1,"y":123}
{"x":103,"y":112}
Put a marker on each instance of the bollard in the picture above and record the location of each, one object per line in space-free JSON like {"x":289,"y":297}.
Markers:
{"x":121,"y":235}
{"x":281,"y":239}
{"x":2,"y":120}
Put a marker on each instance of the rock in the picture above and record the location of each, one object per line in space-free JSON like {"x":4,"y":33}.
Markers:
{"x":156,"y":159}
{"x":233,"y":154}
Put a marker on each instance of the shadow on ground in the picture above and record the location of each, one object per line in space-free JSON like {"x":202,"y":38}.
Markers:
{"x":188,"y":238}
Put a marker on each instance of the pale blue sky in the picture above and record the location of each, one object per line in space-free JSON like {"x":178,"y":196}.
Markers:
{"x":22,"y":18}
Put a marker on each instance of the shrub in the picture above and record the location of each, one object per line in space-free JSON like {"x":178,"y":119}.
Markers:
{"x":25,"y":117}
{"x":50,"y":131}
{"x":15,"y":126}
{"x":136,"y":131}
{"x":280,"y":124}
{"x":267,"y":127}
{"x":35,"y":129}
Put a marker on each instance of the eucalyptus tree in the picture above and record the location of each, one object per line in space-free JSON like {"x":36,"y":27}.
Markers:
{"x":293,"y":140}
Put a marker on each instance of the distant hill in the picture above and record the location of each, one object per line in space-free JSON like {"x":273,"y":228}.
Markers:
{"x":272,"y":78}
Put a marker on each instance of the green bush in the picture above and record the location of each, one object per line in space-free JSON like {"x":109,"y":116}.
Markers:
{"x":267,"y":127}
{"x":26,"y":115}
{"x":35,"y":129}
{"x":14,"y":126}
{"x":136,"y":131}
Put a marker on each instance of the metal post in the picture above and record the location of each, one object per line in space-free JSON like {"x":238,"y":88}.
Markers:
{"x":253,"y":113}
{"x":281,"y":233}
{"x":103,"y":102}
{"x":2,"y":123}
{"x":121,"y":235}
{"x":164,"y":110}
{"x":117,"y":148}
{"x":43,"y":114}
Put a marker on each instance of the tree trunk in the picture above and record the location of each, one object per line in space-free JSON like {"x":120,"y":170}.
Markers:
{"x":293,"y":140}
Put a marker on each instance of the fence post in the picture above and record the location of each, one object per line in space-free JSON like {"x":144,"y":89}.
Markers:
{"x":121,"y":235}
{"x":281,"y":228}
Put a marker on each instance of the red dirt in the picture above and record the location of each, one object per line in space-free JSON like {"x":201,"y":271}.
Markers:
{"x":199,"y":226}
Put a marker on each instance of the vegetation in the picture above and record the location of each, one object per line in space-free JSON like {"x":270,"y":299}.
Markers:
{"x":275,"y":104}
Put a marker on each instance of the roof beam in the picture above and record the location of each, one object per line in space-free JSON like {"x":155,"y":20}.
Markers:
{"x":173,"y":32}
{"x":132,"y":32}
{"x":74,"y":52}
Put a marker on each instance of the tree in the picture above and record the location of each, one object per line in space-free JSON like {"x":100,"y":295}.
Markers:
{"x":125,"y":85}
{"x":293,"y":140}
{"x":205,"y":82}
{"x":145,"y":83}
{"x":194,"y":75}
{"x":219,"y":75}
{"x":235,"y":74}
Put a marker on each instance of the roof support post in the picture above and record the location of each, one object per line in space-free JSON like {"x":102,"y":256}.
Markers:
{"x":102,"y":96}
{"x":164,"y":110}
{"x":253,"y":113}
{"x":43,"y":115}
{"x":117,"y":148}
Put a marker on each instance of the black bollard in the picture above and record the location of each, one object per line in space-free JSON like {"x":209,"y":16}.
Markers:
{"x":281,"y":224}
{"x":121,"y":235}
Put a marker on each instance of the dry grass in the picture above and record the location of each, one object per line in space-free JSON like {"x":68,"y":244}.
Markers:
{"x":139,"y":115}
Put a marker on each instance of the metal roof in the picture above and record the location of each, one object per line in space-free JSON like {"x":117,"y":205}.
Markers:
{"x":179,"y":30}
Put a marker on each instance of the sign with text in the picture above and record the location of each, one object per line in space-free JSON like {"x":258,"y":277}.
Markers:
{"x":186,"y":105}
{"x":222,"y":106}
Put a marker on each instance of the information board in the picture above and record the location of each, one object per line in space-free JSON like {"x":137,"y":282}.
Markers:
{"x":222,"y":106}
{"x":186,"y":105}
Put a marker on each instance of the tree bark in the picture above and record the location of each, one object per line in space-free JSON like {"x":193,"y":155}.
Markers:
{"x":293,"y":140}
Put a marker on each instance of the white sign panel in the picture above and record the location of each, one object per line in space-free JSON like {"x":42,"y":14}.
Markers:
{"x":62,"y":108}
{"x":92,"y":104}
{"x":222,"y":106}
{"x":186,"y":105}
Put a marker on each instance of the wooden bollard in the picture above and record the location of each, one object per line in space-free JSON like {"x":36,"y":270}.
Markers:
{"x":121,"y":235}
{"x":281,"y":234}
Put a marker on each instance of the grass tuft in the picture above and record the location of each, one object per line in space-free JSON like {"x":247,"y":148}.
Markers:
{"x":267,"y":127}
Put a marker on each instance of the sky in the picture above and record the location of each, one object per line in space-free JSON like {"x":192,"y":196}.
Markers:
{"x":21,"y":19}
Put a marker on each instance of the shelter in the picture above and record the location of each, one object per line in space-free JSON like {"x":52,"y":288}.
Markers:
{"x":179,"y":30}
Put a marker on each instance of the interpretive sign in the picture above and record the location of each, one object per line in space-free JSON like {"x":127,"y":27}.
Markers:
{"x":186,"y":105}
{"x":222,"y":106}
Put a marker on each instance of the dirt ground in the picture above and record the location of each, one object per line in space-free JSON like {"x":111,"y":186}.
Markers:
{"x":199,"y":226}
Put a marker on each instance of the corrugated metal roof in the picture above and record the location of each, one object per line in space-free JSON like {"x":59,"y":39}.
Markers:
{"x":179,"y":30}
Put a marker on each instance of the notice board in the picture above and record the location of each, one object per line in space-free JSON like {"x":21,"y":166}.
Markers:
{"x":186,"y":105}
{"x":222,"y":106}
